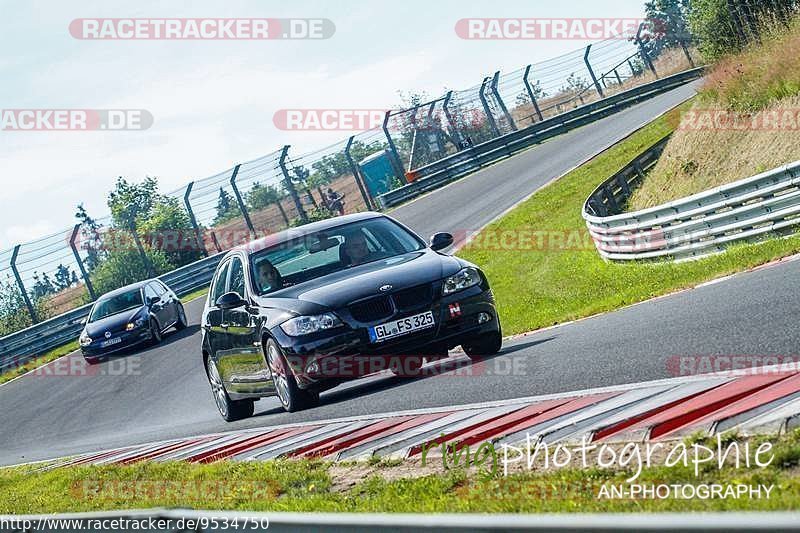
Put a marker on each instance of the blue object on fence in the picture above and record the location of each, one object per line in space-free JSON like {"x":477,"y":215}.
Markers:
{"x":378,"y":172}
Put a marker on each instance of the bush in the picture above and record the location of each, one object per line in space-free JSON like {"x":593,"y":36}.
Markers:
{"x":124,"y":267}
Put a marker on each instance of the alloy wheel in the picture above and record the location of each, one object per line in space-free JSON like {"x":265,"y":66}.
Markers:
{"x":278,"y":369}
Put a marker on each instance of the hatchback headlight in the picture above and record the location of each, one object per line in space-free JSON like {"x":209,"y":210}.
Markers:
{"x":305,"y":325}
{"x":466,"y":278}
{"x":133,"y":325}
{"x":85,"y":340}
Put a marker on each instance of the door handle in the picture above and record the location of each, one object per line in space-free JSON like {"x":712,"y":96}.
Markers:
{"x":224,"y":325}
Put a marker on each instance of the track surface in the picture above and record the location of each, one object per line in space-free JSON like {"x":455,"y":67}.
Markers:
{"x":162,"y":393}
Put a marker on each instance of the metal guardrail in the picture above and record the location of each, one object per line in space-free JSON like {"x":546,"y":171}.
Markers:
{"x":32,"y":342}
{"x":694,"y":226}
{"x":202,"y":521}
{"x":466,"y":161}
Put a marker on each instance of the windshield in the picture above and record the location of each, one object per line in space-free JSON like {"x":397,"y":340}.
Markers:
{"x":319,"y":254}
{"x":126,"y":301}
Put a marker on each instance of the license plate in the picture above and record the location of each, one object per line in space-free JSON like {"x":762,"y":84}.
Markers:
{"x":404,"y":326}
{"x":110,"y":342}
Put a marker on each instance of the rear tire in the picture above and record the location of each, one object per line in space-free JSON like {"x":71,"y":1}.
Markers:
{"x":181,"y":322}
{"x":292,"y":397}
{"x":230,"y":410}
{"x":485,"y":345}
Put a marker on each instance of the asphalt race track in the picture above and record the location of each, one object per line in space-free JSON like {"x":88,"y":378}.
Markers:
{"x":162,"y":393}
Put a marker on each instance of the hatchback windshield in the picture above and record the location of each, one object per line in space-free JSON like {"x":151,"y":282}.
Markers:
{"x":116,"y":304}
{"x":319,"y":254}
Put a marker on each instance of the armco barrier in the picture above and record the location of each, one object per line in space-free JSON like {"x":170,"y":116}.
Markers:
{"x":24,"y":345}
{"x":462,"y":163}
{"x":695,"y":226}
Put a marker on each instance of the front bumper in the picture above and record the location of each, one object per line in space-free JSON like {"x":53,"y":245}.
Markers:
{"x":129,"y":340}
{"x":350,"y":354}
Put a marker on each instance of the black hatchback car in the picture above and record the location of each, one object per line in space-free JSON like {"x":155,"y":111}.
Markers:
{"x":303,"y":310}
{"x":128,"y":316}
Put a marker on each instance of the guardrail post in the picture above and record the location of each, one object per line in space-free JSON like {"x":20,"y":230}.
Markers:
{"x":290,"y":186}
{"x":78,"y":260}
{"x":500,"y":102}
{"x":591,"y":72}
{"x":643,"y":51}
{"x":393,"y":150}
{"x":531,"y":94}
{"x":25,"y":296}
{"x":240,"y":201}
{"x":215,"y":241}
{"x":357,"y":174}
{"x":197,"y":233}
{"x":486,"y":109}
{"x":619,"y":79}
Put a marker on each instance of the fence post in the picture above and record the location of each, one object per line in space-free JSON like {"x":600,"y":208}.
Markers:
{"x":81,"y":267}
{"x":486,"y":109}
{"x":500,"y":102}
{"x":283,"y":212}
{"x":393,"y":149}
{"x":21,"y":285}
{"x":357,"y":174}
{"x":450,"y":121}
{"x":197,"y":233}
{"x":643,"y":51}
{"x":531,"y":94}
{"x":591,"y":72}
{"x":240,"y":201}
{"x":290,"y":186}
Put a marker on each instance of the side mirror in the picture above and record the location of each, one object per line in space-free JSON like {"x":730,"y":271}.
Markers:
{"x":440,"y":241}
{"x":154,"y":300}
{"x":230,"y":300}
{"x":85,"y":320}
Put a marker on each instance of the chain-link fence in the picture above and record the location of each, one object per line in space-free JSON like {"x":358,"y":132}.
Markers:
{"x":64,"y":270}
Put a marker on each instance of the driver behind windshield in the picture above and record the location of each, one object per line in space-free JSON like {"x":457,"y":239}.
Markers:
{"x":268,"y":277}
{"x":356,"y":252}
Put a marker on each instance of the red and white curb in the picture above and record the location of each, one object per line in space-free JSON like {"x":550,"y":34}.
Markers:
{"x":764,"y":400}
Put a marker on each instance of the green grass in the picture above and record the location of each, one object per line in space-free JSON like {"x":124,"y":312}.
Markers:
{"x":70,"y":347}
{"x":537,"y":287}
{"x":310,"y":486}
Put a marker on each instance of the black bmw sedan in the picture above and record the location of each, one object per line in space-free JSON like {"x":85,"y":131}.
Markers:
{"x":303,"y":310}
{"x":132,"y":315}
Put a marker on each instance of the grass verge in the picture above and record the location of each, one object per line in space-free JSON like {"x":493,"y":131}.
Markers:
{"x":316,"y":486}
{"x":68,"y":348}
{"x":545,"y":270}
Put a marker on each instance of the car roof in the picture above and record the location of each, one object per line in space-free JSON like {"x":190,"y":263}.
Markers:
{"x":126,"y":288}
{"x":301,"y":231}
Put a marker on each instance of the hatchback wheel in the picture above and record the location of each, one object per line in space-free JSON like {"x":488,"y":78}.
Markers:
{"x":231,"y":410}
{"x":155,"y":332}
{"x":292,"y":397}
{"x":182,"y":322}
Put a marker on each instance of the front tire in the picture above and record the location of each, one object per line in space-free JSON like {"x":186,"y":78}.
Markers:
{"x":230,"y":410}
{"x":485,"y":345}
{"x":182,"y":322}
{"x":155,"y":332}
{"x":292,"y":397}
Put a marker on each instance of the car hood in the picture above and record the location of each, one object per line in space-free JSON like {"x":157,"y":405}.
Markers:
{"x":341,"y":288}
{"x":112,"y":323}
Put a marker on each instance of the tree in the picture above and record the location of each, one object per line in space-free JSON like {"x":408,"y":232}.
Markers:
{"x":227,"y":209}
{"x":130,"y":202}
{"x":91,"y":239}
{"x":575,"y":84}
{"x":668,"y":23}
{"x":42,"y":286}
{"x":125,"y":266}
{"x":260,"y":196}
{"x":64,"y":278}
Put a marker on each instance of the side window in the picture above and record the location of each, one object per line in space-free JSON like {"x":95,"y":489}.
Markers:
{"x":149,"y":293}
{"x":237,"y":277}
{"x":220,"y":283}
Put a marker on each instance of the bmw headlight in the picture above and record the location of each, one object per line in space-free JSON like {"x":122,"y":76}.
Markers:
{"x":466,"y":278}
{"x":85,"y":340}
{"x":305,"y":325}
{"x":139,"y":322}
